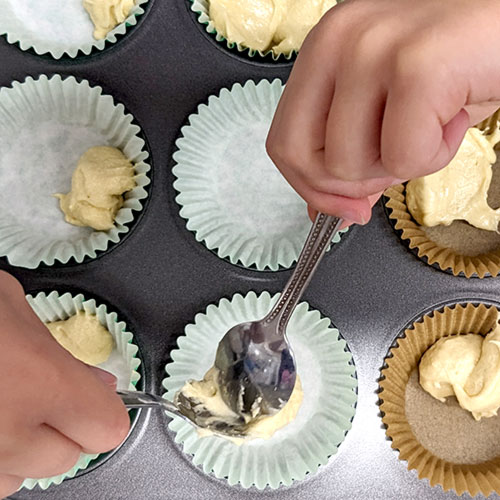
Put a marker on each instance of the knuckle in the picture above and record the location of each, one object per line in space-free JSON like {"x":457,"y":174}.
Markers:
{"x":404,"y":167}
{"x":272,"y":148}
{"x":413,"y":68}
{"x":286,"y":157}
{"x":410,"y":63}
{"x":366,"y":44}
{"x":280,"y":151}
{"x":396,"y":167}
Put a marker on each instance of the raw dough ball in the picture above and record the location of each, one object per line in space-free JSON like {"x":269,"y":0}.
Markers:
{"x":460,"y":190}
{"x":84,"y":337}
{"x":107,"y":14}
{"x":208,"y":398}
{"x":103,"y":174}
{"x":465,"y":366}
{"x":278,"y":25}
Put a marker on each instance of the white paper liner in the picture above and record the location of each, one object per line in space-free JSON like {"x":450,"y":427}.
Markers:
{"x":57,"y":27}
{"x":328,"y":380}
{"x":122,"y":362}
{"x":45,"y":126}
{"x":201,"y":7}
{"x":232,"y":195}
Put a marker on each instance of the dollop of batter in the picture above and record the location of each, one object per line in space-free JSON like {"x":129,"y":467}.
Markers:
{"x":103,"y":174}
{"x":207,"y":395}
{"x":107,"y":14}
{"x":84,"y":337}
{"x":265,"y":427}
{"x":277,"y":25}
{"x":460,"y":190}
{"x":465,"y":366}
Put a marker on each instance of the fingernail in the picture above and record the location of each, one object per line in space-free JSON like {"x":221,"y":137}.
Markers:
{"x":354,"y":218}
{"x":106,"y":377}
{"x":395,"y":182}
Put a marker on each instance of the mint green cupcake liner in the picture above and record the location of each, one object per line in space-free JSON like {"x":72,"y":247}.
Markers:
{"x":57,"y":28}
{"x":45,"y":126}
{"x":201,"y":8}
{"x":234,"y":198}
{"x":328,"y":378}
{"x":123,"y":361}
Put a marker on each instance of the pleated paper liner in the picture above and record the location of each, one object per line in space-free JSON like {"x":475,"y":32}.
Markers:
{"x":326,"y":370}
{"x":45,"y":126}
{"x":460,"y":248}
{"x":231,"y":194}
{"x":201,"y":8}
{"x":123,"y":361}
{"x":441,"y":441}
{"x":59,"y":28}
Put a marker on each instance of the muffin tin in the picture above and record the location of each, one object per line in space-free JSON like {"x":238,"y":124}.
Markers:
{"x":158,"y":277}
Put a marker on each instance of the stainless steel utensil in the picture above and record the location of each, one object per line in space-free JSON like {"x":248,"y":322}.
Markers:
{"x":256,"y":367}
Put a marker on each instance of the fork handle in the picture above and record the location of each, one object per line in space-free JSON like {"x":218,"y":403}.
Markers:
{"x":318,"y":239}
{"x":137,"y":399}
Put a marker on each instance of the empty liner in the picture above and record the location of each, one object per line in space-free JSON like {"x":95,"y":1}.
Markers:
{"x":418,"y":424}
{"x":328,"y":379}
{"x":460,"y":248}
{"x":55,"y":27}
{"x":45,"y":126}
{"x":234,"y":198}
{"x":123,"y":361}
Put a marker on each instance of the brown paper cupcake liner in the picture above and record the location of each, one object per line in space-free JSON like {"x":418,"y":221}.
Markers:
{"x":473,"y":478}
{"x":447,"y":259}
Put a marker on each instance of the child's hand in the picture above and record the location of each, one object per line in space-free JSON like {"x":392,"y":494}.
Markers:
{"x":383,"y":91}
{"x":53,"y":407}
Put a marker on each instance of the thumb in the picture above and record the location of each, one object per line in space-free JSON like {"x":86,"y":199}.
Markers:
{"x":368,"y":202}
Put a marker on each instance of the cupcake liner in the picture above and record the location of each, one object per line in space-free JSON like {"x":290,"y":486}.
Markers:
{"x":234,"y":199}
{"x":123,"y":361}
{"x":201,"y":8}
{"x":473,"y":478}
{"x":45,"y":126}
{"x":445,"y":258}
{"x":50,"y":27}
{"x":327,"y":373}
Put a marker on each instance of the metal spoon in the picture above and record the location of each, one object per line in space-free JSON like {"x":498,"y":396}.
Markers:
{"x":256,"y":367}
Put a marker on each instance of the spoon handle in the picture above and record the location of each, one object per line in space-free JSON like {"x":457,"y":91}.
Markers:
{"x":318,"y":239}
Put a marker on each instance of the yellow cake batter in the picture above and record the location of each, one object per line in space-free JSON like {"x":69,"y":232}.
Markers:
{"x":84,"y":337}
{"x":465,"y":366}
{"x":265,"y":427}
{"x":277,"y":25}
{"x":459,"y":191}
{"x":207,"y":393}
{"x":103,"y":174}
{"x":107,"y":14}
